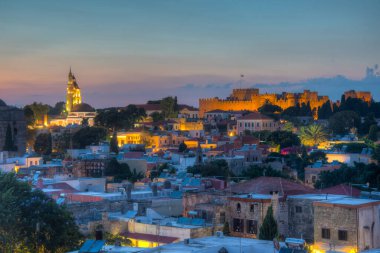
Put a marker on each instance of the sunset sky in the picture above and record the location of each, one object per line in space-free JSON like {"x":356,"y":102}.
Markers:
{"x":129,"y":51}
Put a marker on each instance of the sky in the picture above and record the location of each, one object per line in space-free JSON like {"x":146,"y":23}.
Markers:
{"x":130,"y":51}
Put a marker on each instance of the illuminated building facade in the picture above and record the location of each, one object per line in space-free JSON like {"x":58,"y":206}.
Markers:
{"x":363,"y":95}
{"x":73,"y":96}
{"x":252,"y":100}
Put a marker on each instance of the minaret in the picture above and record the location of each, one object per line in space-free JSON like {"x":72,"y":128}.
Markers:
{"x":73,"y":95}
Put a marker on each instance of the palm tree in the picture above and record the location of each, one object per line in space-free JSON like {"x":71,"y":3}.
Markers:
{"x":312,"y":135}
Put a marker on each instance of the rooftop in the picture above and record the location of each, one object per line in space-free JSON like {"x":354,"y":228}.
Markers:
{"x":255,"y":116}
{"x":317,"y":196}
{"x":214,"y":244}
{"x":348,"y":202}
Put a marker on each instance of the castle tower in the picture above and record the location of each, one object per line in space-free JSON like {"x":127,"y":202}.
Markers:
{"x":73,"y":96}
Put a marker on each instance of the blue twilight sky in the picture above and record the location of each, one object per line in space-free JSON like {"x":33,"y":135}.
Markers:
{"x":129,"y":51}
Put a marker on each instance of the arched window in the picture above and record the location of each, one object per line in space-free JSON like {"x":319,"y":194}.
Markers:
{"x":238,"y":207}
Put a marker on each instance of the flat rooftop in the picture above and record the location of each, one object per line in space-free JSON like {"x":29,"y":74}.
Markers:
{"x":349,"y":202}
{"x":253,"y":196}
{"x":213,"y":244}
{"x":318,"y":196}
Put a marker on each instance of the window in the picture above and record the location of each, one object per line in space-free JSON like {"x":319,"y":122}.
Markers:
{"x":238,"y":225}
{"x":252,"y":208}
{"x":240,"y":124}
{"x":298,"y":209}
{"x":325,"y":233}
{"x":251,"y":227}
{"x":238,"y":207}
{"x":222,"y":218}
{"x":342,"y":235}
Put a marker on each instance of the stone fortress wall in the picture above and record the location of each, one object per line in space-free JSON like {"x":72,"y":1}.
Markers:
{"x":252,"y":100}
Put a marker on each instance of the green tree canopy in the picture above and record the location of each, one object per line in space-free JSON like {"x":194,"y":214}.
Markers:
{"x":358,"y":174}
{"x":88,"y":136}
{"x":169,"y":107}
{"x":121,"y":171}
{"x":43,"y":144}
{"x":372,"y":135}
{"x":313,"y":134}
{"x":325,"y":111}
{"x":268,"y":230}
{"x":254,"y":171}
{"x":9,"y":144}
{"x":182,"y":147}
{"x":214,"y":168}
{"x":342,"y":122}
{"x":118,"y":119}
{"x":33,"y":222}
{"x":113,"y":144}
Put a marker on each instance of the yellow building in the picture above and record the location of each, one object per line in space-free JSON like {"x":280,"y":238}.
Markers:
{"x":73,"y":96}
{"x":132,"y":137}
{"x":184,"y":125}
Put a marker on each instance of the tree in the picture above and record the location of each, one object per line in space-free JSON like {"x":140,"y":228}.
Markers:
{"x":121,"y":171}
{"x":255,"y":171}
{"x":215,"y":168}
{"x":113,"y":144}
{"x":169,"y":107}
{"x":226,"y":228}
{"x":284,"y":139}
{"x":372,"y":135}
{"x":312,"y":135}
{"x":29,"y":116}
{"x":182,"y":147}
{"x":39,"y":111}
{"x":43,"y":144}
{"x":325,"y":111}
{"x":342,"y":122}
{"x":58,"y":109}
{"x":9,"y":144}
{"x":270,"y":110}
{"x":88,"y":136}
{"x":369,"y":120}
{"x":33,"y":222}
{"x":117,"y":119}
{"x":268,"y":229}
{"x":289,"y":126}
{"x":360,"y":173}
{"x":157,"y":117}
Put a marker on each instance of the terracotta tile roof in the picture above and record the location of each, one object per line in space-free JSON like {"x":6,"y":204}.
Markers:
{"x":342,"y":189}
{"x":66,"y":188}
{"x":265,"y":185}
{"x":255,"y":116}
{"x":151,"y":238}
{"x":216,"y":111}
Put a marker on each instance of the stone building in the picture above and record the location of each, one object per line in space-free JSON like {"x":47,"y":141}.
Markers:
{"x":14,"y":118}
{"x":247,"y":213}
{"x":252,"y":100}
{"x":347,"y":224}
{"x":301,"y":214}
{"x":256,"y":121}
{"x":208,"y":205}
{"x":363,"y":95}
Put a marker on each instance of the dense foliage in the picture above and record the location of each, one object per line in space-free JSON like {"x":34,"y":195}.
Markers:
{"x":282,"y":138}
{"x":312,"y":135}
{"x":254,"y":171}
{"x":33,"y":222}
{"x":43,"y":144}
{"x":214,"y":168}
{"x":118,"y":119}
{"x":88,"y":136}
{"x":342,"y":122}
{"x":268,"y":230}
{"x":358,"y":174}
{"x":121,"y":171}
